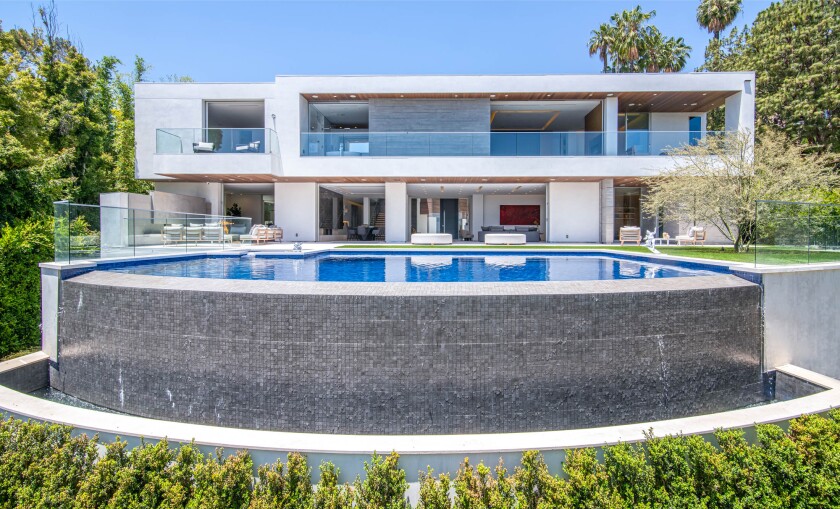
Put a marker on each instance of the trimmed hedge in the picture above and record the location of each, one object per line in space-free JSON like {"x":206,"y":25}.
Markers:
{"x":44,"y":466}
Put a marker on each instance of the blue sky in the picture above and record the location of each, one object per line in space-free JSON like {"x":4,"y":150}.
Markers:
{"x":254,"y":41}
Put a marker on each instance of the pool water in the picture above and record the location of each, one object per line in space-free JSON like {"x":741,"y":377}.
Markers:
{"x":419,"y":268}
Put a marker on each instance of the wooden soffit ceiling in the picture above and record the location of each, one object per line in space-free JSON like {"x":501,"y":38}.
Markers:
{"x":640,"y":101}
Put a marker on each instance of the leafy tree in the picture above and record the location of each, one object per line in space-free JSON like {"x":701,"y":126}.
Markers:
{"x":716,"y":15}
{"x":719,"y":180}
{"x":629,"y":44}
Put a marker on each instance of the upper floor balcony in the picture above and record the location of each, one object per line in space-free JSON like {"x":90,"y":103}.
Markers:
{"x":205,"y":151}
{"x":353,"y":143}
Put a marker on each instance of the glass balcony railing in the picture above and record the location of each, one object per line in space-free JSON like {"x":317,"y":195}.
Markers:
{"x":216,"y":141}
{"x":352,"y":143}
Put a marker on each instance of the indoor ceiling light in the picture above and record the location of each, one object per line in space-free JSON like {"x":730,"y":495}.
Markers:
{"x":314,"y":96}
{"x":353,"y":96}
{"x":632,"y":104}
{"x":610,"y":95}
{"x":492,"y":95}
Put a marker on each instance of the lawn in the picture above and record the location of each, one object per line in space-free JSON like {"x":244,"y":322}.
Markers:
{"x":770,"y":256}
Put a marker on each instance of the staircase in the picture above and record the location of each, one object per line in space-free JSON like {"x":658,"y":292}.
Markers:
{"x":379,"y":223}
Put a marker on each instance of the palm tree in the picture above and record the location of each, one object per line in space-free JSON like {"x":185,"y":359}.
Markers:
{"x":716,"y":15}
{"x":602,"y":42}
{"x":630,"y":36}
{"x":675,"y":55}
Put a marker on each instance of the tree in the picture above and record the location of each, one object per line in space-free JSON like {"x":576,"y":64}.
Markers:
{"x":629,"y":44}
{"x":716,"y":15}
{"x":794,"y":49}
{"x":719,"y":180}
{"x":602,"y":42}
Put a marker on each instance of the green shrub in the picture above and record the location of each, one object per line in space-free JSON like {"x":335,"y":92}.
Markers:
{"x":328,"y":493}
{"x":46,"y":466}
{"x":434,"y":493}
{"x":283,"y":488}
{"x":22,"y":247}
{"x":384,"y":485}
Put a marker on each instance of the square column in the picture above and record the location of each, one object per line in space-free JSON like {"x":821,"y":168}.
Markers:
{"x":611,"y":126}
{"x":477,"y":215}
{"x":296,"y":210}
{"x":573,"y":212}
{"x":366,"y":210}
{"x":740,"y":110}
{"x":607,"y":211}
{"x":396,"y":212}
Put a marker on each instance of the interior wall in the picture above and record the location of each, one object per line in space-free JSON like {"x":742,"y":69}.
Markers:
{"x":251,"y":205}
{"x":594,"y":120}
{"x":492,"y":203}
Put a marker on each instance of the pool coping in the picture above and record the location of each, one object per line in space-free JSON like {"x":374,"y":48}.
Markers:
{"x":30,"y":407}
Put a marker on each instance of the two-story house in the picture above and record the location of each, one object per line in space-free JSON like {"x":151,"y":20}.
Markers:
{"x":321,"y":155}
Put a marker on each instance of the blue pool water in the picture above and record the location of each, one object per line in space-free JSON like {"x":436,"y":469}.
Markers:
{"x":425,"y":267}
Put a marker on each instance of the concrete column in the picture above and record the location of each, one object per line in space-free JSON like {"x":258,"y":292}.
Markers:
{"x":50,"y":286}
{"x":366,"y":210}
{"x":477,"y":214}
{"x":573,"y":215}
{"x":396,"y":212}
{"x":607,"y":211}
{"x":296,"y":210}
{"x":335,"y":213}
{"x":611,"y":126}
{"x":740,"y":110}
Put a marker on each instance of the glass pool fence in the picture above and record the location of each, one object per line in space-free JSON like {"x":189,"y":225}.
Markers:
{"x":86,"y":232}
{"x":795,"y":232}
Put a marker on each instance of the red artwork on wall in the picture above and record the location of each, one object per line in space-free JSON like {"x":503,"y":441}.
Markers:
{"x":519,"y":214}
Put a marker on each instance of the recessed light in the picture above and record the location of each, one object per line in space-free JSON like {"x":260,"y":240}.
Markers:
{"x":456,"y":95}
{"x":422,"y":180}
{"x":590,"y":95}
{"x":314,"y":96}
{"x":704,"y":93}
{"x":352,"y":96}
{"x":506,"y":95}
{"x":685,"y":104}
{"x":694,"y":104}
{"x":549,"y":95}
{"x":655,"y":94}
{"x":364,"y":180}
{"x":632,"y":104}
{"x":484,"y":180}
{"x":402,"y":95}
{"x":335,"y":96}
{"x":492,"y":95}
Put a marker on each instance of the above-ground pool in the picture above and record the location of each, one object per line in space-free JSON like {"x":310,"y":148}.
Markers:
{"x":347,"y":342}
{"x":422,"y":267}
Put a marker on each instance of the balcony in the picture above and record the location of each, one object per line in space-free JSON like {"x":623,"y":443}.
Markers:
{"x":215,"y":141}
{"x":182,"y":152}
{"x":352,"y":143}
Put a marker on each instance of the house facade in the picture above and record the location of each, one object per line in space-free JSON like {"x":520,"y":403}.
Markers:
{"x":562,"y":155}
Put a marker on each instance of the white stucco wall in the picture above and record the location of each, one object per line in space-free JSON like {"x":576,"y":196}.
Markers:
{"x":396,"y":212}
{"x":176,"y":197}
{"x":296,"y":210}
{"x":671,"y":130}
{"x":575,"y":211}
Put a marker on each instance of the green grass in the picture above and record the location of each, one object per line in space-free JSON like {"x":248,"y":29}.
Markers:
{"x":769,"y":256}
{"x":21,"y":353}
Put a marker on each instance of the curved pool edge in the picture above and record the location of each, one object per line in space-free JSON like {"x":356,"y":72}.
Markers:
{"x":20,"y":405}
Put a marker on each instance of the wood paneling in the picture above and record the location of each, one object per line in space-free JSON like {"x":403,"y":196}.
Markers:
{"x":248,"y":179}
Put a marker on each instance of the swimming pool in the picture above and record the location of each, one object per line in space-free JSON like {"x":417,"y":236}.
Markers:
{"x":420,"y":267}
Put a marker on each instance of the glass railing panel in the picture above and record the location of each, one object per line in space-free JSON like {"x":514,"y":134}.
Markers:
{"x":86,"y":232}
{"x":796,"y":233}
{"x":216,"y":141}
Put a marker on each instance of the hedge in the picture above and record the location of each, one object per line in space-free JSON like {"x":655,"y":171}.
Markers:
{"x":43,"y":465}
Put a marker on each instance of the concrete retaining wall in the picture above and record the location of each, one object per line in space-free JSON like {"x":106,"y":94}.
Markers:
{"x":405,"y":358}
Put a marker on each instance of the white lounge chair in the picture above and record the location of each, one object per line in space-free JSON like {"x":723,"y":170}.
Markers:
{"x":193,"y":234}
{"x":213,"y":232}
{"x":694,"y":235}
{"x":254,"y":146}
{"x":172,"y":234}
{"x":630,"y":234}
{"x":203,"y":146}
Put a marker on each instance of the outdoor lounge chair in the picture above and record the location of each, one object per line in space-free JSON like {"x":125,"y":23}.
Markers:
{"x":172,"y":234}
{"x":259,"y":233}
{"x":213,"y":233}
{"x":694,"y":235}
{"x":193,"y":234}
{"x":254,"y":146}
{"x":203,"y":146}
{"x":630,"y":234}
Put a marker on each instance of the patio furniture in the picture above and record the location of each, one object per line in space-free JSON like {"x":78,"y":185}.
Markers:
{"x":431,"y":238}
{"x":275,"y":233}
{"x":363,"y":232}
{"x":213,"y":232}
{"x":630,"y":234}
{"x":694,"y":235}
{"x":504,"y":239}
{"x":203,"y":146}
{"x":465,"y":235}
{"x":378,"y":233}
{"x":532,"y":233}
{"x":172,"y":234}
{"x":258,"y":233}
{"x":254,"y":146}
{"x":351,"y":234}
{"x":193,"y":234}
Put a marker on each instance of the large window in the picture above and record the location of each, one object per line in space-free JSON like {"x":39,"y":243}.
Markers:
{"x":634,"y":133}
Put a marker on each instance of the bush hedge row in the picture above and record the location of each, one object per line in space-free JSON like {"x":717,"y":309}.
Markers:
{"x":45,"y":466}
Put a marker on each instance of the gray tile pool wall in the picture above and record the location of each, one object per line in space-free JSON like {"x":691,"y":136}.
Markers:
{"x":409,"y":358}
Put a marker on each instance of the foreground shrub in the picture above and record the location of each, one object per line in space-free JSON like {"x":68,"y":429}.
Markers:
{"x":45,"y":466}
{"x":22,"y":247}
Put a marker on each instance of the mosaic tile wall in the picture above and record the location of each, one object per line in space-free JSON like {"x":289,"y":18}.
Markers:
{"x":410,"y":364}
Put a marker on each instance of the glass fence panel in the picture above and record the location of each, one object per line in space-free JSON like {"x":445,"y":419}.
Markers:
{"x":85,"y":232}
{"x":216,"y":141}
{"x":795,"y":233}
{"x":351,"y":143}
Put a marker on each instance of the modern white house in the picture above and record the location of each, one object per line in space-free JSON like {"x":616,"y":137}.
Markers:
{"x":562,"y":155}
